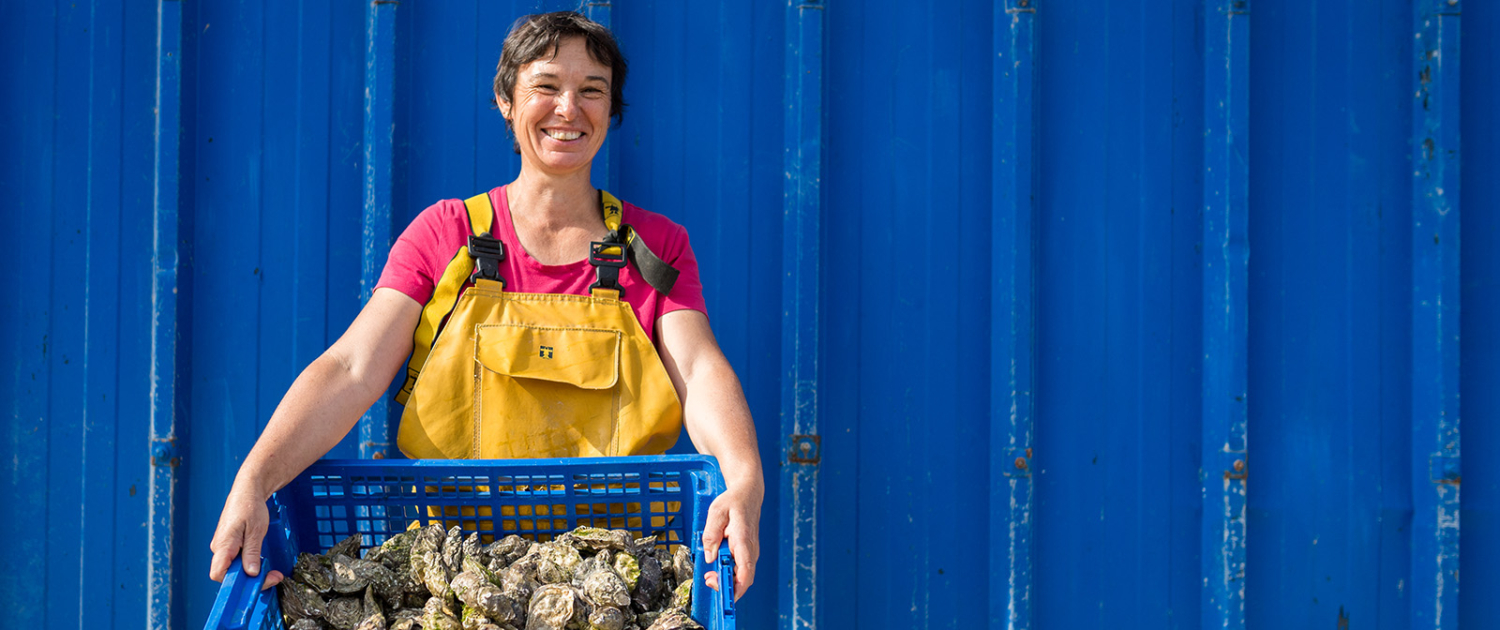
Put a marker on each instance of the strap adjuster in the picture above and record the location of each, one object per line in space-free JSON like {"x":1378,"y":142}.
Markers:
{"x":600,"y":258}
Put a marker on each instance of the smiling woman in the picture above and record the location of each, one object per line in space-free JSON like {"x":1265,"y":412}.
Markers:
{"x":542,"y":318}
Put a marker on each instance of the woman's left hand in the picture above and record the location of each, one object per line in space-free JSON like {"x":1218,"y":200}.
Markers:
{"x":735,"y":515}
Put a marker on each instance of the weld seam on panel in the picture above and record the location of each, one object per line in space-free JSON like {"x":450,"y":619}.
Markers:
{"x":1225,"y":312}
{"x":1435,"y":452}
{"x":162,"y":579}
{"x":801,"y":249}
{"x":376,"y":235}
{"x":1012,"y":338}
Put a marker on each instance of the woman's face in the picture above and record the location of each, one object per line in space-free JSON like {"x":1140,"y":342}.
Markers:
{"x":560,"y":109}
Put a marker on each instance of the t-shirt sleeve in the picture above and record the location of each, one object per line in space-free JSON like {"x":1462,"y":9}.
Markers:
{"x":416,"y":262}
{"x":687,"y":293}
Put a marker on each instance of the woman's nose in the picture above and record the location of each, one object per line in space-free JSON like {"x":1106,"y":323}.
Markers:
{"x":566,"y":104}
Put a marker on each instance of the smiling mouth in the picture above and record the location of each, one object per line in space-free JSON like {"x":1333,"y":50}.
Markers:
{"x":563,"y":135}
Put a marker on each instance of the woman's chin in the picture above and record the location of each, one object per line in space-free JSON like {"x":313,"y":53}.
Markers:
{"x":563,"y":163}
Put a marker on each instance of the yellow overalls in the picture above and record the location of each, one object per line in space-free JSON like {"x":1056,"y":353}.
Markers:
{"x":513,"y":375}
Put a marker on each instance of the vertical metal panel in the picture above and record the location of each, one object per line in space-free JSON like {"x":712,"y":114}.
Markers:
{"x":164,"y":577}
{"x":1329,"y":311}
{"x":380,"y":53}
{"x":800,"y":294}
{"x":1118,"y":350}
{"x":601,"y":11}
{"x":1012,"y":328}
{"x":1479,"y":370}
{"x":29,"y":35}
{"x":1225,"y":316}
{"x":1435,"y":452}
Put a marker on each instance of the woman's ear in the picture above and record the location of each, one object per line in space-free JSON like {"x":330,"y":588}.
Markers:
{"x":504,"y":105}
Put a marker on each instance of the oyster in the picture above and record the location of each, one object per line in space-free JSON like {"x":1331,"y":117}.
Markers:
{"x":453,"y":550}
{"x":305,"y":624}
{"x":682,"y":597}
{"x":629,"y":569}
{"x":346,"y":547}
{"x":603,"y":587}
{"x":313,"y":571}
{"x":395,"y":552}
{"x":473,"y":565}
{"x":552,"y":608}
{"x":471,"y":547}
{"x":648,"y":585}
{"x":374,"y":617}
{"x":595,"y":539}
{"x":508,"y":550}
{"x":437,"y":579}
{"x":479,"y":594}
{"x":352,"y":575}
{"x":555,"y":562}
{"x":406,"y":619}
{"x":606,"y":618}
{"x":674,"y":620}
{"x":345,"y":613}
{"x":300,"y":601}
{"x":682,"y":564}
{"x":474,"y":620}
{"x":438,"y":615}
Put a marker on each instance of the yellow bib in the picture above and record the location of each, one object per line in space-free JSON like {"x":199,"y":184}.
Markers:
{"x":514,"y":375}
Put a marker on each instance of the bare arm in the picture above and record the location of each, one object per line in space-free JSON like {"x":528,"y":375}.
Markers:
{"x":718,"y":421}
{"x":322,"y":405}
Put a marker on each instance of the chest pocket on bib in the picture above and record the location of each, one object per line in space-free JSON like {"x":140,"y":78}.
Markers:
{"x":546,"y":390}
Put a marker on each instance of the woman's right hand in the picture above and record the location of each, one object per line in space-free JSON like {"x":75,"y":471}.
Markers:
{"x":242,"y":528}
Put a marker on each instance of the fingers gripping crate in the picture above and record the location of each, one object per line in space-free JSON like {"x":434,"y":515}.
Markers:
{"x":538,"y":499}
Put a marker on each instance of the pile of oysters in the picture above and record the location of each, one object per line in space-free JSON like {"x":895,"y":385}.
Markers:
{"x":586,"y":579}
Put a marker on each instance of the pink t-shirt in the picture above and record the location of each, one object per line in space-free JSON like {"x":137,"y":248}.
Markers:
{"x":424,"y":250}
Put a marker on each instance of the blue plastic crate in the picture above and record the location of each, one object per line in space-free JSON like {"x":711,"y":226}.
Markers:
{"x":666,"y":495}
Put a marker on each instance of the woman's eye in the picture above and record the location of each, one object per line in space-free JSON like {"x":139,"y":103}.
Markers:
{"x":547,"y":87}
{"x":593,"y":91}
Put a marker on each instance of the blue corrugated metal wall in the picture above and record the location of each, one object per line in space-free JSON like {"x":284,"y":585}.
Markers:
{"x":997,"y":241}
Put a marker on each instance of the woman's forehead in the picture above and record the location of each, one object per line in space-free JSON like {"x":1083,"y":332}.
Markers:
{"x":570,"y":57}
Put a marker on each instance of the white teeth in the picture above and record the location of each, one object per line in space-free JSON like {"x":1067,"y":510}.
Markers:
{"x":563,"y":135}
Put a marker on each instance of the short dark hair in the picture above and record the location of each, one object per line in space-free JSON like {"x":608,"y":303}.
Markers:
{"x":533,"y":36}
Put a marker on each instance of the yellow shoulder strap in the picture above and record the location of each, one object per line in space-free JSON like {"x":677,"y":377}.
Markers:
{"x":481,"y":213}
{"x":445,"y":294}
{"x":612,"y":211}
{"x":656,"y":272}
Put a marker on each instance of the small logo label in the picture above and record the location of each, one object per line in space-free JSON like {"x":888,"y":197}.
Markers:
{"x":546,"y":352}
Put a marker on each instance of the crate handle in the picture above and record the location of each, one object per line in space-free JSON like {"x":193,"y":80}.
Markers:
{"x":725,"y":567}
{"x":237,"y":598}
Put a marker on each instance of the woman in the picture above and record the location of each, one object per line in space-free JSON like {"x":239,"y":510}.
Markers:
{"x":522,"y":258}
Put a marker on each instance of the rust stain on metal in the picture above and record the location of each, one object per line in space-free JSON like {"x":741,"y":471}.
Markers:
{"x":1238,"y":472}
{"x":1451,"y":481}
{"x":1343,"y":619}
{"x":1021,"y":463}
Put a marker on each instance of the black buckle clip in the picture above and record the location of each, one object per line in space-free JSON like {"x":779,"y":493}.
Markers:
{"x":487,"y":253}
{"x":599,"y":258}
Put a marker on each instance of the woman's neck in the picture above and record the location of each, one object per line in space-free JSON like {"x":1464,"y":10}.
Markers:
{"x":549,"y":202}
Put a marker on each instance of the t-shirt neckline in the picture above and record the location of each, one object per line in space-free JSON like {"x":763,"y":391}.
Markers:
{"x":501,"y":197}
